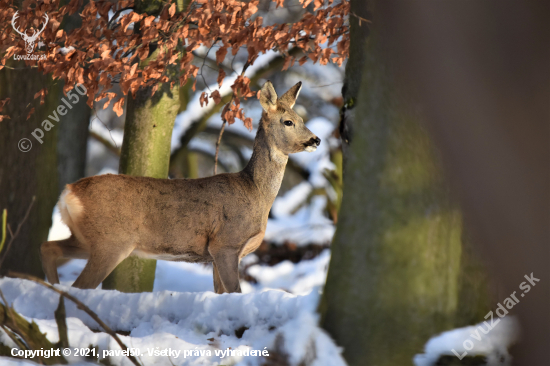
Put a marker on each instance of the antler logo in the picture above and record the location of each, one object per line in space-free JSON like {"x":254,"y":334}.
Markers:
{"x":29,"y":40}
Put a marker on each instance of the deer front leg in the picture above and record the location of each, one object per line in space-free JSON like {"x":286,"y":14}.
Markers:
{"x":226,"y":269}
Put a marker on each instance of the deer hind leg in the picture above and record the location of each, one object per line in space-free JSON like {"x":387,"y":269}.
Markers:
{"x":100,"y":264}
{"x":218,"y":285}
{"x":51,"y":251}
{"x":227,"y":265}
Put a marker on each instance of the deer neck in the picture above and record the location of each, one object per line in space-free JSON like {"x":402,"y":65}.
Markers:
{"x":266,"y":166}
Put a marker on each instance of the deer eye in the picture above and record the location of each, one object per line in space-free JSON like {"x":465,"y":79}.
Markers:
{"x":288,"y":123}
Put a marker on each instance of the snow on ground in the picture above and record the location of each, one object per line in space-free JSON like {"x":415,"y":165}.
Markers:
{"x":297,"y":278}
{"x":491,"y":338}
{"x":201,"y":321}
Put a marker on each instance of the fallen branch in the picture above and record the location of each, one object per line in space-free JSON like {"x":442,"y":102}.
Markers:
{"x":13,"y":323}
{"x":80,"y":305}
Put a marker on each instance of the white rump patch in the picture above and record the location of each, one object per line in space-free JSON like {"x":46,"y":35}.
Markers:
{"x":70,"y":208}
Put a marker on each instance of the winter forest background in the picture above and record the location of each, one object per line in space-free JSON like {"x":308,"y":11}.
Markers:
{"x":424,"y":208}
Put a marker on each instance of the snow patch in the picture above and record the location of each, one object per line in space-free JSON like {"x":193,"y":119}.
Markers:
{"x":494,"y":344}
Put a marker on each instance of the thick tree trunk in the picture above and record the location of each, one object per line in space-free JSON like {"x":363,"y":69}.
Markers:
{"x":27,"y":174}
{"x":485,"y":86}
{"x":399,"y":270}
{"x":145,"y":152}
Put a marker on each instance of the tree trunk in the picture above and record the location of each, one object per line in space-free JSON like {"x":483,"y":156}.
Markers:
{"x":399,"y":269}
{"x":72,"y":141}
{"x":485,"y":87}
{"x":72,"y":144}
{"x":27,"y":174}
{"x":145,"y":152}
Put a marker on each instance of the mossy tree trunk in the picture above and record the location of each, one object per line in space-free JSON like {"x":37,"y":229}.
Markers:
{"x":27,"y":174}
{"x":145,"y":152}
{"x":33,"y":173}
{"x":399,"y":268}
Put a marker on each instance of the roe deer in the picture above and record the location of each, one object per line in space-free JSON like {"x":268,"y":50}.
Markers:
{"x":217,"y":219}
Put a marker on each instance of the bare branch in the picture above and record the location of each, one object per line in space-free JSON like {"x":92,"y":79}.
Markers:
{"x":112,"y":148}
{"x":218,"y":147}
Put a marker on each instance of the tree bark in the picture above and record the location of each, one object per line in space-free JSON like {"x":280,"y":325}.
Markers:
{"x":145,"y":152}
{"x":485,"y":86}
{"x":27,"y":174}
{"x":72,"y":144}
{"x":399,"y":266}
{"x":72,"y":141}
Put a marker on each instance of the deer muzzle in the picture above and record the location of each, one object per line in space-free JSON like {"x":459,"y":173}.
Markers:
{"x":312,"y":144}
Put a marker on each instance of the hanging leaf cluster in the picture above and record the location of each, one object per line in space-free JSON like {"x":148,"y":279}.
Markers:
{"x":118,"y":44}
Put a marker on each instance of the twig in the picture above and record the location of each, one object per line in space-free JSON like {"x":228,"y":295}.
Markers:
{"x":221,"y":65}
{"x":9,"y":230}
{"x":368,"y":21}
{"x":115,"y":15}
{"x":322,"y":86}
{"x":218,"y":147}
{"x":4,"y":220}
{"x":112,"y":148}
{"x":203,"y":62}
{"x":246,"y":65}
{"x":10,"y":311}
{"x":14,"y":235}
{"x":80,"y":305}
{"x":61,"y":320}
{"x":105,"y":125}
{"x":13,"y":337}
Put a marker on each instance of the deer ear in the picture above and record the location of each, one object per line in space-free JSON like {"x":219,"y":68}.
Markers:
{"x":268,"y":97}
{"x":289,"y":98}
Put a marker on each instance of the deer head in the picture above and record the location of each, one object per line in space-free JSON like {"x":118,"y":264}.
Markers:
{"x":285,"y":128}
{"x":29,"y":40}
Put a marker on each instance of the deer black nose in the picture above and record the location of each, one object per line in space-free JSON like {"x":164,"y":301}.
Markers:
{"x":317,"y":141}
